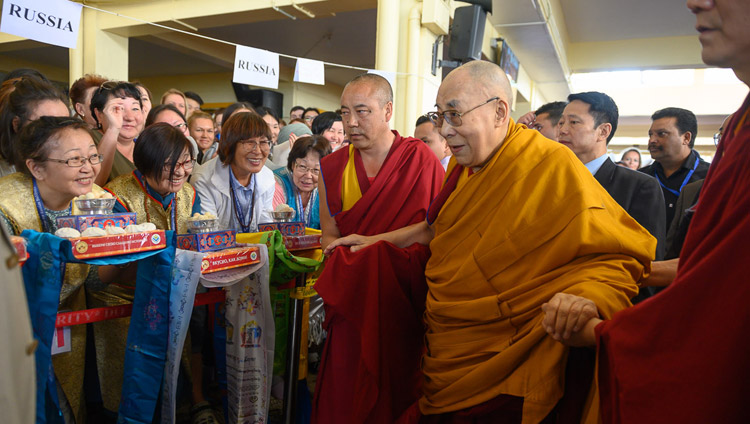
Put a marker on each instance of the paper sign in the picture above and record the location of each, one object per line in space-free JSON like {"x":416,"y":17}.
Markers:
{"x":256,"y":67}
{"x":309,"y":71}
{"x":51,"y":21}
{"x":61,"y":340}
{"x":390,"y":76}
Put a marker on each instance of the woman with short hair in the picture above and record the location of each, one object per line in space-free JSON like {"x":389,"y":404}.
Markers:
{"x":330,"y":126}
{"x":201,"y":127}
{"x":175,"y":98}
{"x":237,"y":187}
{"x":60,"y":162}
{"x":81,"y":92}
{"x":116,"y":107}
{"x":297,"y":183}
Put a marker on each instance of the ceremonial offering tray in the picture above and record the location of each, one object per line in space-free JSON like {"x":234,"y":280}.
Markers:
{"x":82,"y":222}
{"x":302,"y":242}
{"x":283,"y":215}
{"x":230,"y":258}
{"x":207,"y":241}
{"x":285,"y":228}
{"x":19,"y":243}
{"x":94,"y":247}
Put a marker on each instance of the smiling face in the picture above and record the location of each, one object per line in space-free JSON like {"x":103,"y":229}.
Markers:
{"x":202,"y":131}
{"x":364,"y":117}
{"x":335,"y":135}
{"x":132,"y":117}
{"x":483,"y":129}
{"x":60,"y":178}
{"x":172,"y":183}
{"x":273,"y":124}
{"x":145,"y":100}
{"x":724,"y":32}
{"x":249,"y":159}
{"x":306,"y":172}
{"x":177,"y":101}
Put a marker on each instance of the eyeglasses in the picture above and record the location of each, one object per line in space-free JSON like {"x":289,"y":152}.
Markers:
{"x":310,"y":118}
{"x":252,"y":144}
{"x":186,"y":165}
{"x":304,"y":169}
{"x":79,"y":161}
{"x":107,"y":85}
{"x":181,"y":126}
{"x":453,"y":117}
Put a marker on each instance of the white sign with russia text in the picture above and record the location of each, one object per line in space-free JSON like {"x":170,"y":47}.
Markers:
{"x":48,"y":21}
{"x":256,"y":67}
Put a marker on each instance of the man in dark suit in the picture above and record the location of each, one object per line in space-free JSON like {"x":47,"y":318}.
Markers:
{"x":588,"y":123}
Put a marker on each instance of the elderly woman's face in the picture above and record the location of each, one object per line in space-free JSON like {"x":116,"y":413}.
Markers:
{"x":57,"y":176}
{"x":173,"y":183}
{"x":305,"y":172}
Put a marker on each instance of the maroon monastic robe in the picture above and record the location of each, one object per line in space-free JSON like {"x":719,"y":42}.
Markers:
{"x":683,"y":356}
{"x":374,"y":299}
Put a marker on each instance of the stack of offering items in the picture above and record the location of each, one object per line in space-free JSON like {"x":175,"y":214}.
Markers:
{"x":282,"y":217}
{"x":224,"y":253}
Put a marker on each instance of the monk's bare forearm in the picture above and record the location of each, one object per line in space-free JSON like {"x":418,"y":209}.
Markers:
{"x":420,"y":233}
{"x":662,"y":273}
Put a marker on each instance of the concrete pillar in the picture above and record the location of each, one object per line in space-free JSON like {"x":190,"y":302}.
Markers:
{"x":104,"y":53}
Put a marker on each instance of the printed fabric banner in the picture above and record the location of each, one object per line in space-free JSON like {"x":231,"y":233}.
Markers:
{"x":256,"y":67}
{"x":185,"y":276}
{"x":50,"y":21}
{"x":250,"y":336}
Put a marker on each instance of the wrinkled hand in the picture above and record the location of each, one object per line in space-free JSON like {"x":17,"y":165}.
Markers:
{"x":355,"y":241}
{"x":527,"y":119}
{"x":113,"y":113}
{"x":565,"y":315}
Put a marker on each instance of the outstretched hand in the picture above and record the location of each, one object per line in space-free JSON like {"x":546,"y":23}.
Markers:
{"x":570,"y":319}
{"x":355,"y":241}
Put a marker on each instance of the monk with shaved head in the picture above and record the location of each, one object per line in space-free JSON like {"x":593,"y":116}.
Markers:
{"x":374,"y":300}
{"x":518,"y":219}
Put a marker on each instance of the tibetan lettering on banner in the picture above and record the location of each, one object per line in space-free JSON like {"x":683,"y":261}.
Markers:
{"x":50,"y":21}
{"x":256,"y":67}
{"x":309,"y":71}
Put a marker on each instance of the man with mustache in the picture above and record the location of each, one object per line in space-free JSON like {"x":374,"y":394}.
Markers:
{"x":369,"y":372}
{"x":681,"y":357}
{"x":676,"y":164}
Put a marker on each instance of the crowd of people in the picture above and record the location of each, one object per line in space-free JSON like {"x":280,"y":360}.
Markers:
{"x":483,"y":271}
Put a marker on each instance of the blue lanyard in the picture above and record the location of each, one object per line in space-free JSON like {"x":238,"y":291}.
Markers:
{"x":172,"y":203}
{"x":684,"y":182}
{"x":40,"y":208}
{"x":238,"y":212}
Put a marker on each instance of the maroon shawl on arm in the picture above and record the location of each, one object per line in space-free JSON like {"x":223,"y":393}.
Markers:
{"x":375,"y":298}
{"x":683,"y":356}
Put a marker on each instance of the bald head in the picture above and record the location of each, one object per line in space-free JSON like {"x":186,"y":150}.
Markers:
{"x":486,"y":76}
{"x":381,"y":87}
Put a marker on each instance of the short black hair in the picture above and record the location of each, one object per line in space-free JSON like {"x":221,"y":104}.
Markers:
{"x":423,"y":120}
{"x":686,"y":120}
{"x":553,"y":109}
{"x":296,"y":108}
{"x":263,"y":111}
{"x":234,"y":106}
{"x":118,"y":89}
{"x":25,"y":72}
{"x":310,"y":109}
{"x":601,"y":107}
{"x":156,"y":110}
{"x":157,"y":145}
{"x":324,"y":121}
{"x":193,"y":95}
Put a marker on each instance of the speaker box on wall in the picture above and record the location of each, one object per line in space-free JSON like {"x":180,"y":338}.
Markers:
{"x":260,"y":97}
{"x":467,"y":33}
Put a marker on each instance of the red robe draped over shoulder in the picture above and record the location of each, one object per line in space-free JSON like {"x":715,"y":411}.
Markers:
{"x":683,"y":356}
{"x":374,"y":299}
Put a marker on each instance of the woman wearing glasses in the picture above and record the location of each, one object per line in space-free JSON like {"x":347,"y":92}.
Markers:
{"x":116,"y":107}
{"x":60,"y":162}
{"x":297,"y":183}
{"x":236,"y":187}
{"x":157,"y":192}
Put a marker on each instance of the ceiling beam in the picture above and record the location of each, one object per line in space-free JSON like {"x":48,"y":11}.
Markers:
{"x":643,"y":53}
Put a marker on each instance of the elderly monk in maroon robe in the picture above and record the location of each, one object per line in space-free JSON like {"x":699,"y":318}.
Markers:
{"x":374,"y":300}
{"x":682,"y":356}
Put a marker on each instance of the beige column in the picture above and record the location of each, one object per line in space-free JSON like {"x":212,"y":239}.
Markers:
{"x":104,"y":52}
